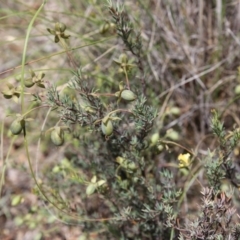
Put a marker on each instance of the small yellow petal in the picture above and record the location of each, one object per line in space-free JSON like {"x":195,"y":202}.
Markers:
{"x":184,"y":160}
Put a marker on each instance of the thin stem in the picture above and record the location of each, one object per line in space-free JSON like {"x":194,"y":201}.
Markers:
{"x":25,"y":52}
{"x":55,"y":54}
{"x":5,"y":163}
{"x":26,"y":113}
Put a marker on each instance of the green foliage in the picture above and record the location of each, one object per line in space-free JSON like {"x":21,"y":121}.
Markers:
{"x":219,"y":164}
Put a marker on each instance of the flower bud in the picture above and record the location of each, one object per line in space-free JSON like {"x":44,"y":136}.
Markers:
{"x":128,"y":95}
{"x":57,"y":136}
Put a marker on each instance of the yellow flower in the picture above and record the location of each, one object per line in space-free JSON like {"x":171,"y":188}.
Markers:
{"x":184,"y":160}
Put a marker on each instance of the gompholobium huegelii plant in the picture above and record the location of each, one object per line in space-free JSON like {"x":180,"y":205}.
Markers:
{"x":115,"y":126}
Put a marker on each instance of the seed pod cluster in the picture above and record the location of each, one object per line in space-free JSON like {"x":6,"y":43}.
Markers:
{"x":10,"y":91}
{"x":58,"y":32}
{"x":35,"y":79}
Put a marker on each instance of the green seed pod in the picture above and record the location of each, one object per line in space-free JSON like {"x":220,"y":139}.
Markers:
{"x":104,"y":28}
{"x":172,"y":134}
{"x":57,"y":136}
{"x":60,"y":27}
{"x":131,"y":166}
{"x":17,"y":199}
{"x":155,"y":138}
{"x":120,"y":160}
{"x":128,"y":95}
{"x":17,"y":126}
{"x":107,"y":127}
{"x":123,"y":58}
{"x":7,"y":95}
{"x":175,"y":111}
{"x":8,"y":91}
{"x":28,"y":83}
{"x":237,"y":89}
{"x":113,"y":26}
{"x":160,"y":147}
